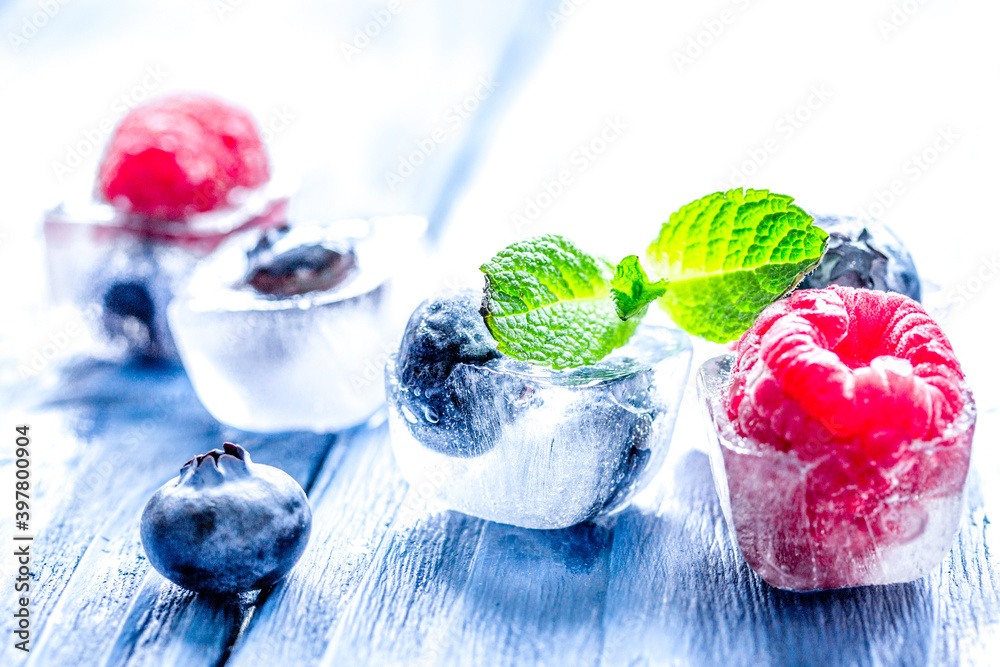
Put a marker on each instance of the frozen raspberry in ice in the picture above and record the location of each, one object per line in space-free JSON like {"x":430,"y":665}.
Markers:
{"x":857,"y":365}
{"x":180,"y":155}
{"x":845,"y":427}
{"x":179,"y":176}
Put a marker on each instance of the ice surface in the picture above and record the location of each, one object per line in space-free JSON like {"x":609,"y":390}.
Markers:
{"x":310,"y":361}
{"x":798,"y":535}
{"x":519,"y":444}
{"x":99,"y":257}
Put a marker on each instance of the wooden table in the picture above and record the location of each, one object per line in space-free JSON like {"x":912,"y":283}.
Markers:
{"x":390,"y":579}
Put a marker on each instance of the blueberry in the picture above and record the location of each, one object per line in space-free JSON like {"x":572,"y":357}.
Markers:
{"x":130,"y":299}
{"x":226,"y":524}
{"x":438,"y":366}
{"x":282,"y":269}
{"x":441,"y":333}
{"x":129,"y":312}
{"x":133,"y":283}
{"x":866,"y":255}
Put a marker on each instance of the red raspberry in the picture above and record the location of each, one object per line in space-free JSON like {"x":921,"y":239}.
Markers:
{"x":841,"y":388}
{"x":181,"y":154}
{"x":844,"y":364}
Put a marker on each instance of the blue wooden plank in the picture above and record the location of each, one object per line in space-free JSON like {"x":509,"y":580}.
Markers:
{"x":450,"y":589}
{"x":354,"y":500}
{"x":419,"y":572}
{"x":127,"y":430}
{"x":167,"y":625}
{"x":534,"y":597}
{"x":680,"y":592}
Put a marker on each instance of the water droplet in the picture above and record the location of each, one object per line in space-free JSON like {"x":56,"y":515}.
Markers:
{"x":431,"y":414}
{"x":410,"y":417}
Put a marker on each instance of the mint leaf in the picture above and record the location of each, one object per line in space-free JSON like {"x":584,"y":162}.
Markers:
{"x":631,"y":289}
{"x":548,"y":302}
{"x":729,"y":255}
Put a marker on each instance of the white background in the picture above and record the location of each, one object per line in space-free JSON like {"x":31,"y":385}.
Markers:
{"x":894,"y":74}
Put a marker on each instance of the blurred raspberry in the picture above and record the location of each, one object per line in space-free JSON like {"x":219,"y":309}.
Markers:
{"x":180,"y":155}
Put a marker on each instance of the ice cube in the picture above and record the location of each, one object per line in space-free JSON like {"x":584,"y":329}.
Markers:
{"x":128,"y":269}
{"x":830,"y":521}
{"x":290,"y":331}
{"x":519,"y":444}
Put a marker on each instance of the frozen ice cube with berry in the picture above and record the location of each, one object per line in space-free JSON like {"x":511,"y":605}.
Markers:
{"x":289,"y":330}
{"x":516,"y":443}
{"x":842,"y":431}
{"x":179,"y":175}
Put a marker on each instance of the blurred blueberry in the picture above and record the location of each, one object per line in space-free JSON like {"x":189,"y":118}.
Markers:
{"x":864,"y":255}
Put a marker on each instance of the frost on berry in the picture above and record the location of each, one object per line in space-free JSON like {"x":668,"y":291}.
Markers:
{"x":859,"y":426}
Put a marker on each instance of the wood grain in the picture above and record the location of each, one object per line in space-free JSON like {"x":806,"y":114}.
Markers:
{"x":134,"y":427}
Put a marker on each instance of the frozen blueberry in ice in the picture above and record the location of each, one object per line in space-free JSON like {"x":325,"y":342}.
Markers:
{"x":443,"y":338}
{"x":289,"y":332}
{"x":226,"y":524}
{"x":443,"y":332}
{"x":130,"y":299}
{"x":300,"y":269}
{"x":865,"y":255}
{"x":130,"y":289}
{"x":507,"y":441}
{"x":129,"y":312}
{"x":179,"y":175}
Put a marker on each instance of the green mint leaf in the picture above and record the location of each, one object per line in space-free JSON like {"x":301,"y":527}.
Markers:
{"x":549,"y":303}
{"x":729,"y":255}
{"x":631,"y":289}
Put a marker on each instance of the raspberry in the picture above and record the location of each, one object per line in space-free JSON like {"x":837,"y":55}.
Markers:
{"x":856,"y":366}
{"x":841,"y":389}
{"x":181,"y":154}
